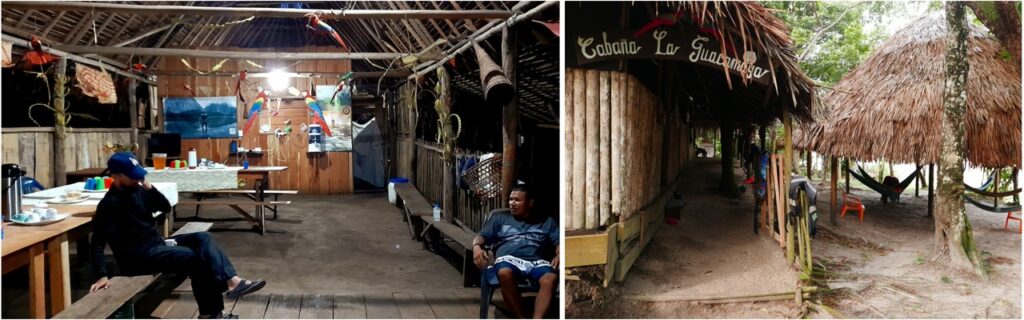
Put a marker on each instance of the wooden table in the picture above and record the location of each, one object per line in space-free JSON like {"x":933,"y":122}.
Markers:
{"x":28,"y":245}
{"x":263,"y":171}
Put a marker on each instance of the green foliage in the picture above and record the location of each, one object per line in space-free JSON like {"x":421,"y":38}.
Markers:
{"x":946,"y":280}
{"x":829,"y":37}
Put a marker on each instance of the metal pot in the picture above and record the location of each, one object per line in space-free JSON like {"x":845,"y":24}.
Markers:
{"x":12,"y":192}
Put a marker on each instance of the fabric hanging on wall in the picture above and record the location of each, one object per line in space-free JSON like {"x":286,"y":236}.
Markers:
{"x":368,"y":147}
{"x":95,"y":83}
{"x":7,"y":47}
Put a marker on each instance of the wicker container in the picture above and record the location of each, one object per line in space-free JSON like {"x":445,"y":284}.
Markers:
{"x":484,"y":178}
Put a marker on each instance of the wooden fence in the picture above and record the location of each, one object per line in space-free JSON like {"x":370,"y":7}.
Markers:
{"x":469,"y":211}
{"x":33,"y":149}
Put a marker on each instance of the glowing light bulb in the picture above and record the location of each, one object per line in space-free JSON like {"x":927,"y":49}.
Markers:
{"x":278,"y":80}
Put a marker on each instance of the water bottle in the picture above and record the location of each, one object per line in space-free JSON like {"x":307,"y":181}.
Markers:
{"x":437,"y":212}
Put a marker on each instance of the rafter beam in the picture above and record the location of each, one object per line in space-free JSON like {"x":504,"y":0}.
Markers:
{"x":258,"y":12}
{"x":73,"y":57}
{"x":163,"y":52}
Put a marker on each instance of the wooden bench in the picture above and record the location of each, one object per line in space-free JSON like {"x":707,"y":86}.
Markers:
{"x":420,"y":216}
{"x":104,"y":303}
{"x":237,"y":206}
{"x":253,"y":194}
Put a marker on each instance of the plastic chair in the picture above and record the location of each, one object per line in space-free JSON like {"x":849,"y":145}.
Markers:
{"x":487,"y":289}
{"x":30,"y":185}
{"x":852,"y":203}
{"x":1009,"y":216}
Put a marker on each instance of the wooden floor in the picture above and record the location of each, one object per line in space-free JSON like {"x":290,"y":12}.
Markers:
{"x":440,"y":304}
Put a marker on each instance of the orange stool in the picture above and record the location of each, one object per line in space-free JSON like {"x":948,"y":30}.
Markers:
{"x":854,"y":204}
{"x":1009,"y":216}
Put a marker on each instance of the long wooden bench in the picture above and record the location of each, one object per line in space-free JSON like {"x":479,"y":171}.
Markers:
{"x":251,"y":194}
{"x":104,"y":303}
{"x":420,"y":216}
{"x":237,"y":205}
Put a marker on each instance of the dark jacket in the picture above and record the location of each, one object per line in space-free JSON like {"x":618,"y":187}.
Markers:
{"x":124,"y":219}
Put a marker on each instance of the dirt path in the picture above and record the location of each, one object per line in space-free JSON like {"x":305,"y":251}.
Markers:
{"x":711,"y":252}
{"x":883,"y":266}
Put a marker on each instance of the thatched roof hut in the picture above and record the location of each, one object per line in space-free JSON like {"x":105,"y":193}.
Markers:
{"x":890,"y":107}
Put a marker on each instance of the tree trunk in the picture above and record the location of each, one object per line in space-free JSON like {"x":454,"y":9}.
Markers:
{"x":60,"y":125}
{"x":509,"y":116}
{"x":953,"y":237}
{"x":728,"y":184}
{"x":1003,"y":19}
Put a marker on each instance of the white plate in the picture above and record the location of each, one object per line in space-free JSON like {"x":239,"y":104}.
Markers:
{"x":94,"y":191}
{"x":61,"y":200}
{"x":60,"y":217}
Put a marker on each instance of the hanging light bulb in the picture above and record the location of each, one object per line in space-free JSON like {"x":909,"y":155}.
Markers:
{"x":278,"y":80}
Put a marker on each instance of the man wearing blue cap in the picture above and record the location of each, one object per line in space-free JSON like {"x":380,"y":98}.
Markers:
{"x":124,"y":219}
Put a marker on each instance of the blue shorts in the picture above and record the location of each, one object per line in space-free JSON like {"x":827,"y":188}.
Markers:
{"x":520,"y":268}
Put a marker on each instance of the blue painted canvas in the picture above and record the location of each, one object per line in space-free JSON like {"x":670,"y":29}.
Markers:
{"x":201,"y":117}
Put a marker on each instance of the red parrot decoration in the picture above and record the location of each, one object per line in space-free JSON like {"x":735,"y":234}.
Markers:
{"x":315,"y":23}
{"x":36,"y":56}
{"x":256,"y":106}
{"x":238,"y":85}
{"x":318,"y":114}
{"x":659,"y":21}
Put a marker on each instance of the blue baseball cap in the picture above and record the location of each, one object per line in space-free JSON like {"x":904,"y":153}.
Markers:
{"x":125,"y":163}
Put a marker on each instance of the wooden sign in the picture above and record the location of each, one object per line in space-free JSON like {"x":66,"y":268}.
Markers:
{"x":671,"y":44}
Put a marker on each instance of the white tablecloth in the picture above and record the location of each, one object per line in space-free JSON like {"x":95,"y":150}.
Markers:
{"x":168,"y":189}
{"x":189,"y":180}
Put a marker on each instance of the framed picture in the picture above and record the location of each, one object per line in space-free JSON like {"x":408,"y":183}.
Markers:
{"x":337,"y":108}
{"x":201,"y":117}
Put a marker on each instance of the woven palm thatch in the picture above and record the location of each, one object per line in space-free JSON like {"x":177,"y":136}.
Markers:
{"x":890,"y":106}
{"x":752,"y":27}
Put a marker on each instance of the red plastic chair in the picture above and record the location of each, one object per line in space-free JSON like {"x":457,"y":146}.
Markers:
{"x":852,"y":203}
{"x":1009,"y":216}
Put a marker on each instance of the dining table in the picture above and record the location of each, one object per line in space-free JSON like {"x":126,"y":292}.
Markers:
{"x":44,"y":248}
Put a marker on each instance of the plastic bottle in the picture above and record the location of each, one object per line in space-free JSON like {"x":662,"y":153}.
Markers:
{"x":392,"y":194}
{"x":437,"y":212}
{"x":192,"y":161}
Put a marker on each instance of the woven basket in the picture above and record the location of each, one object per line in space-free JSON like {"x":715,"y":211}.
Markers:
{"x":484,"y":178}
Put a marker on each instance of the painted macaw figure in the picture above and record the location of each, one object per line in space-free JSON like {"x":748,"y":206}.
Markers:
{"x":36,"y":56}
{"x":315,"y":23}
{"x":659,"y":21}
{"x":318,"y":114}
{"x":256,"y":106}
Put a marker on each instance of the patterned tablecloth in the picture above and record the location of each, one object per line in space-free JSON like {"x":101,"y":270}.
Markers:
{"x":190,"y":180}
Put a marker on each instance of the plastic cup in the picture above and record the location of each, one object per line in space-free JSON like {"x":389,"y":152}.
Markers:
{"x":159,"y":161}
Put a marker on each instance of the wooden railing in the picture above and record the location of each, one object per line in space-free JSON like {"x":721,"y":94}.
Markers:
{"x":468,"y":211}
{"x":32,"y":149}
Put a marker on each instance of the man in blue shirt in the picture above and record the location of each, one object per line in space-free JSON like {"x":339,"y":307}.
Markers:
{"x":527,"y":245}
{"x":124,"y":220}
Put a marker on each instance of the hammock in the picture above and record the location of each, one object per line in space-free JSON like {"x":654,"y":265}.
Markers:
{"x":995,"y":209}
{"x":886,"y":191}
{"x":988,"y":183}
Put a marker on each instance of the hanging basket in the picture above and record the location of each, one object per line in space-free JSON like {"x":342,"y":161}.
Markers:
{"x":484,"y":178}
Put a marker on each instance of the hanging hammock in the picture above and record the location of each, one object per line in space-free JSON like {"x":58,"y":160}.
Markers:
{"x":984,"y":186}
{"x":886,"y":191}
{"x":995,"y":209}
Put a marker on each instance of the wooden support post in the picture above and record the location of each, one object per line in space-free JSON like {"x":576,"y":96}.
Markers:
{"x":604,"y":150}
{"x":809,"y":166}
{"x":846,"y":170}
{"x":917,"y":182}
{"x":834,"y":202}
{"x":579,"y":160}
{"x":509,"y":115}
{"x":60,"y":125}
{"x":133,"y":114}
{"x":999,"y":174}
{"x":931,"y":189}
{"x":60,"y":280}
{"x":569,"y":146}
{"x":786,"y":177}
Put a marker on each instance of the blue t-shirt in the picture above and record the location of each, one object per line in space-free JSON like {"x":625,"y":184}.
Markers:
{"x":528,"y":240}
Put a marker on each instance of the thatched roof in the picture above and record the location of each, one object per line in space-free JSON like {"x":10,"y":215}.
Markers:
{"x":753,"y":27}
{"x":890,"y":106}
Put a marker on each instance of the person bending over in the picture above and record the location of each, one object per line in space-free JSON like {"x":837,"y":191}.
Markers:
{"x":522,"y":240}
{"x":124,"y":219}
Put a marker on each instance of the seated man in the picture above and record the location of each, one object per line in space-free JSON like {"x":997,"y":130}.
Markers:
{"x":124,"y":219}
{"x":522,"y":240}
{"x":893,"y":183}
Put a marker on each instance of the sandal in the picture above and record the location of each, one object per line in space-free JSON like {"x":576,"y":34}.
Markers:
{"x":222,"y":315}
{"x":246,"y":287}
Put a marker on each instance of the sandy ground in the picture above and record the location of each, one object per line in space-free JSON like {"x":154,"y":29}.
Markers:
{"x":883,"y":265}
{"x":711,"y":252}
{"x":879,"y":268}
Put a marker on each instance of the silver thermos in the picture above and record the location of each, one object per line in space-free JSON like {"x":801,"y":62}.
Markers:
{"x":11,"y":189}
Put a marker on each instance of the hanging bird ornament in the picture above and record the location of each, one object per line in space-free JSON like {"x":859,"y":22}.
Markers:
{"x":316,"y":24}
{"x":318,"y":114}
{"x":256,"y":106}
{"x":36,"y":56}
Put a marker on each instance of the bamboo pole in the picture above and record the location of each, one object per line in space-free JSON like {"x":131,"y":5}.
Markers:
{"x":616,"y":143}
{"x":931,"y":189}
{"x":60,"y":125}
{"x":786,"y":176}
{"x":917,"y":182}
{"x":568,"y":151}
{"x":73,"y":57}
{"x":194,"y":53}
{"x":846,"y":170}
{"x":509,"y":115}
{"x":810,"y":166}
{"x":579,"y":188}
{"x":593,"y":149}
{"x":605,"y":179}
{"x":723,"y":299}
{"x":332,"y":14}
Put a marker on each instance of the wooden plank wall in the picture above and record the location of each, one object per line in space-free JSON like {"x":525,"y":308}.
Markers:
{"x":326,"y":173}
{"x":645,"y":135}
{"x":469,"y":210}
{"x":32,"y":149}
